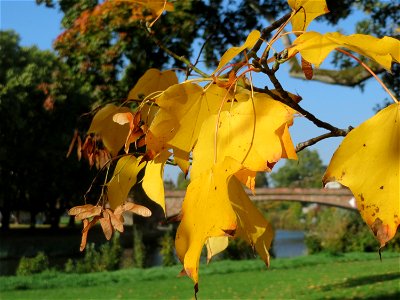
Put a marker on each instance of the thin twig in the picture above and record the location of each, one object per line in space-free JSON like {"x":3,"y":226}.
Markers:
{"x":176,"y":56}
{"x":199,"y":55}
{"x":289,"y":102}
{"x":312,"y":141}
{"x":370,"y":71}
{"x":267,"y":31}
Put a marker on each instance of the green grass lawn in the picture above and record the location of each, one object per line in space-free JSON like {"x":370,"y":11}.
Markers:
{"x":349,"y":276}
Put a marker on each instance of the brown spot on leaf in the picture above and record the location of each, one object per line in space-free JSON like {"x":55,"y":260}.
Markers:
{"x":361,"y":197}
{"x":364,"y":145}
{"x":381,"y":187}
{"x":380,"y":231}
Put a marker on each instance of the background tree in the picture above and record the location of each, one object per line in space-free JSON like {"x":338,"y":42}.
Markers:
{"x":182,"y":182}
{"x":261,"y":180}
{"x":40,"y":97}
{"x":305,"y":173}
{"x":110,"y":48}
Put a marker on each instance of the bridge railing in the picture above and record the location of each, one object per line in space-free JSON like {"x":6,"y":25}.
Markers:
{"x":333,"y":197}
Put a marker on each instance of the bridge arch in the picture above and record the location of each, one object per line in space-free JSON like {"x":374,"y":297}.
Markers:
{"x":342,"y":197}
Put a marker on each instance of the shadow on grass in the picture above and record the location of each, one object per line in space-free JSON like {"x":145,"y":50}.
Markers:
{"x":388,"y":296}
{"x":366,"y":280}
{"x":370,"y":279}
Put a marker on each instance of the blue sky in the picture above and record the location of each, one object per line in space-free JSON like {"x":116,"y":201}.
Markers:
{"x":341,"y":106}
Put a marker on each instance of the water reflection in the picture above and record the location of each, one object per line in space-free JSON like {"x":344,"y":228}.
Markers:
{"x":289,"y":243}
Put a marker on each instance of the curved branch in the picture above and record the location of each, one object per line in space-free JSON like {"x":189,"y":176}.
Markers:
{"x":312,"y":141}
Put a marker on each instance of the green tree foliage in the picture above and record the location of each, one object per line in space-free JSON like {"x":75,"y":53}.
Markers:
{"x":337,"y":230}
{"x":101,"y":41}
{"x":261,"y":180}
{"x":37,"y":127}
{"x":167,"y":249}
{"x":182,"y":182}
{"x":139,"y":250}
{"x":306,"y":172}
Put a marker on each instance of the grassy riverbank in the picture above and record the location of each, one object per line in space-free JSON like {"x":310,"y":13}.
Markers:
{"x":349,"y":276}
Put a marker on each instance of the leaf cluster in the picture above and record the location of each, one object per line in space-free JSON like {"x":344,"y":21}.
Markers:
{"x":223,"y":130}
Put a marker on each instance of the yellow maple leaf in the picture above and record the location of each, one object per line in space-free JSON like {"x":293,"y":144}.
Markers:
{"x":368,"y":162}
{"x":248,"y":178}
{"x":152,"y":81}
{"x":153,"y":180}
{"x":183,"y":108}
{"x":124,"y":177}
{"x":215,"y":245}
{"x":252,"y":226}
{"x":206,"y":212}
{"x":251,"y":133}
{"x":113,"y":134}
{"x":307,"y":10}
{"x":181,"y":158}
{"x":251,"y":40}
{"x":315,"y":47}
{"x":156,"y":6}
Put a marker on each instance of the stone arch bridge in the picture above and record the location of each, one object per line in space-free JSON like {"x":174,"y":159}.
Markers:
{"x":342,"y":198}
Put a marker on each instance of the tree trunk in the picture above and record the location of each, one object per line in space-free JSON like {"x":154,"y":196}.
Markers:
{"x":5,"y":218}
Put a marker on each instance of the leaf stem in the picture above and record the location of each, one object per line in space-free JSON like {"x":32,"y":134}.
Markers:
{"x":370,"y":71}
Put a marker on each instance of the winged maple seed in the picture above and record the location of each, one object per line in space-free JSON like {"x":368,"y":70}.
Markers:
{"x":136,"y":128}
{"x":94,"y":152}
{"x":109,"y":220}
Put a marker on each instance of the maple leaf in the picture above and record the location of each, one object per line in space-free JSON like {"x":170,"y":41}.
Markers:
{"x":248,"y":178}
{"x":253,"y":132}
{"x":183,"y":109}
{"x":181,"y":158}
{"x":215,"y":245}
{"x":124,"y":177}
{"x":153,"y":80}
{"x":307,"y":10}
{"x":368,"y":162}
{"x":113,"y":134}
{"x":153,"y":180}
{"x":251,"y":40}
{"x":252,"y":226}
{"x":315,"y":47}
{"x":205,"y":200}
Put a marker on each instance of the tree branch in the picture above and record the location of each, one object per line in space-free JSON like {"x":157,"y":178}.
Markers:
{"x":310,"y":142}
{"x":346,"y":77}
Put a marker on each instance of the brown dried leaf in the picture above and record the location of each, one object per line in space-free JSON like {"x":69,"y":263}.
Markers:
{"x":116,"y":221}
{"x":137,"y":209}
{"x":79,"y":209}
{"x":307,"y":69}
{"x":86,"y":226}
{"x":84,"y":235}
{"x":119,"y":210}
{"x":105,"y":223}
{"x":94,"y":211}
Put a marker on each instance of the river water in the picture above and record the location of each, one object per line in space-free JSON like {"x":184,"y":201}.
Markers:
{"x":289,"y":243}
